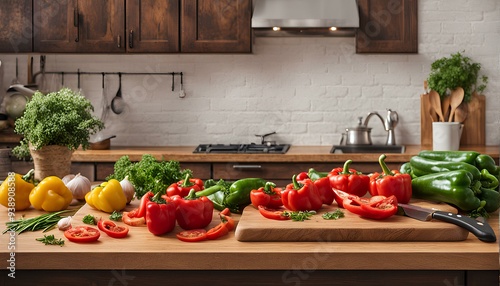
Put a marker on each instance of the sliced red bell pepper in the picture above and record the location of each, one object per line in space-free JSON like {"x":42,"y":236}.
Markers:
{"x":276,"y":214}
{"x":182,"y":187}
{"x":193,"y":212}
{"x":141,"y":212}
{"x":268,"y":196}
{"x":303,"y":196}
{"x":391,"y":183}
{"x":349,"y":180}
{"x":378,"y":207}
{"x":111,"y":229}
{"x":160,"y":217}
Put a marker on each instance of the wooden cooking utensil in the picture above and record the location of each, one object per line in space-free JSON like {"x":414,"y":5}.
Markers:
{"x":436,"y":104}
{"x":456,"y":98}
{"x":461,"y":113}
{"x":445,"y":105}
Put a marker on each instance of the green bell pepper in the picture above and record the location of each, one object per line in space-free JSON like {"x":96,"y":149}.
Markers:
{"x":423,"y":166}
{"x":453,"y":187}
{"x":492,"y":199}
{"x":451,"y":156}
{"x":239,"y":191}
{"x":485,"y":161}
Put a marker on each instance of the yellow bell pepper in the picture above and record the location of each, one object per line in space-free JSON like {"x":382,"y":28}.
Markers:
{"x":51,"y":195}
{"x":16,"y":189}
{"x":107,"y":197}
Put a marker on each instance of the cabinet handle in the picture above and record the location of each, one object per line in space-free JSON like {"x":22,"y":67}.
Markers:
{"x":119,"y":41}
{"x":76,"y":23}
{"x":131,"y":39}
{"x":247,"y":166}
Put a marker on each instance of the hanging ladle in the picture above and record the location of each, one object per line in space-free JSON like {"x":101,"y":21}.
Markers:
{"x":117,"y":104}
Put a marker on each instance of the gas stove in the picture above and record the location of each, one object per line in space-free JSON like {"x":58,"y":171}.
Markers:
{"x":243,"y":148}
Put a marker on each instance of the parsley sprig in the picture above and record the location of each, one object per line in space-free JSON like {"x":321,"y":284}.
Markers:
{"x":334,"y":215}
{"x":299,"y":215}
{"x":51,"y":240}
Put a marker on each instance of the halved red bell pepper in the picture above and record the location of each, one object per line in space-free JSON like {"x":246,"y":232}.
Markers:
{"x":182,"y":187}
{"x":268,"y":196}
{"x":160,"y":217}
{"x":193,"y":212}
{"x":323,"y":186}
{"x":349,"y":180}
{"x":303,"y":196}
{"x":391,"y":183}
{"x":378,"y":207}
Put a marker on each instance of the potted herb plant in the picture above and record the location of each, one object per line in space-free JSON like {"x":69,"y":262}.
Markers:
{"x":53,"y":126}
{"x":448,"y":73}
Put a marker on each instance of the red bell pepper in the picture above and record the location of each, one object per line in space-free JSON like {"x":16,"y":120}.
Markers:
{"x":391,"y":183}
{"x":160,"y":217}
{"x":268,"y":196}
{"x":378,"y":207}
{"x":302,"y":176}
{"x":323,"y":186}
{"x":193,"y":212}
{"x":303,"y":196}
{"x":182,"y":187}
{"x":349,"y":180}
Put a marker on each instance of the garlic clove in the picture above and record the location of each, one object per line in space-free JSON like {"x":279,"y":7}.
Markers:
{"x":64,"y":223}
{"x":68,"y":178}
{"x":128,"y":189}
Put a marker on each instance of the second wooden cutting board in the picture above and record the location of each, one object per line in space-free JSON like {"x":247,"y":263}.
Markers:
{"x":253,"y":226}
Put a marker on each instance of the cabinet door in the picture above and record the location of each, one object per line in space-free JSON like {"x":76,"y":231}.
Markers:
{"x":54,"y":25}
{"x":101,"y":26}
{"x":152,"y":26}
{"x":16,"y":32}
{"x":387,"y":26}
{"x":216,"y":26}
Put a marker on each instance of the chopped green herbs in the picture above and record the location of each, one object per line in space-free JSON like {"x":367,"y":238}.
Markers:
{"x":89,"y":219}
{"x":334,"y":215}
{"x":116,"y":216}
{"x":299,"y":215}
{"x":51,"y":240}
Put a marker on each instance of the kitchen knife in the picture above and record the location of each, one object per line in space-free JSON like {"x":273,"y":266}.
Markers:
{"x":481,"y":230}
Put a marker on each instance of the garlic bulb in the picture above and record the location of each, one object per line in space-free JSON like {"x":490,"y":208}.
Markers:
{"x":64,"y":223}
{"x":79,"y":186}
{"x":128,"y":189}
{"x":68,"y":178}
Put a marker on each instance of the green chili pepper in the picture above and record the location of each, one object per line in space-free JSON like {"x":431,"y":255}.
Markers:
{"x":451,"y":156}
{"x":239,"y":192}
{"x":492,"y":199}
{"x":454,"y":187}
{"x":423,"y":166}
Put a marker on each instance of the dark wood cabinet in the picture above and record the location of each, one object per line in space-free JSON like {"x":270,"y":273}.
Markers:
{"x":16,"y":31}
{"x":387,"y":26}
{"x":216,"y":26}
{"x":79,"y":26}
{"x":152,"y":26}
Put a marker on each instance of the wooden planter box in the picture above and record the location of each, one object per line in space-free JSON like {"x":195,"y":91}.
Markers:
{"x":474,"y":126}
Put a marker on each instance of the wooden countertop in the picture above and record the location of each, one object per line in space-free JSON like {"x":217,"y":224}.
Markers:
{"x":294,"y":154}
{"x":144,"y":251}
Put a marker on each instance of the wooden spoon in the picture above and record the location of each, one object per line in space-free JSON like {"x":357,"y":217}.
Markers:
{"x":461,"y":113}
{"x":445,"y":103}
{"x":436,"y":104}
{"x":456,"y":98}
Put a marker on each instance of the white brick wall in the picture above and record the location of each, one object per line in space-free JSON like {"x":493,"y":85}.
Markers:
{"x":306,"y":89}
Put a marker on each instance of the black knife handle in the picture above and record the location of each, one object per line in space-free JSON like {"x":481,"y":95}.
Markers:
{"x":481,"y":230}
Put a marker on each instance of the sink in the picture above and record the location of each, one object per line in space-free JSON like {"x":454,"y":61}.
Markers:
{"x":368,"y":149}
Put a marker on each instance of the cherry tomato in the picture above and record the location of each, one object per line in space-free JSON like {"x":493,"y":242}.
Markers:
{"x":130,"y":219}
{"x":192,"y":235}
{"x":111,"y":229}
{"x":277,"y":214}
{"x":217,"y":231}
{"x":82,"y":234}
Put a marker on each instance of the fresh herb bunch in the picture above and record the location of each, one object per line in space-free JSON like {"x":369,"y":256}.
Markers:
{"x":148,"y":174}
{"x":51,"y":240}
{"x":60,"y":118}
{"x":456,"y":71}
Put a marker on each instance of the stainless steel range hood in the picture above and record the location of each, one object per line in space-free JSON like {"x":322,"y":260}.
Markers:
{"x":295,"y":18}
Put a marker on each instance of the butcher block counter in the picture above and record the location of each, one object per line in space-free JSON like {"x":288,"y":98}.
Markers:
{"x":144,"y":259}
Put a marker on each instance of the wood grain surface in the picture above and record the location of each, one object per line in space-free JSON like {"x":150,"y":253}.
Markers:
{"x":254,"y":227}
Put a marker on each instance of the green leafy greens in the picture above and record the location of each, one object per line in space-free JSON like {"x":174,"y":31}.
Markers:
{"x":148,"y":174}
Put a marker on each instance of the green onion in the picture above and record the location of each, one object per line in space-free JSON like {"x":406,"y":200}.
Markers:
{"x":43,"y":222}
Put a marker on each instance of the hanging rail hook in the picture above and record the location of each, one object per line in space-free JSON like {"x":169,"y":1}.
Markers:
{"x":172,"y":81}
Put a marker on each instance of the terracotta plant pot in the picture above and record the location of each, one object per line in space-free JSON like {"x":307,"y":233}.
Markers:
{"x":52,"y":160}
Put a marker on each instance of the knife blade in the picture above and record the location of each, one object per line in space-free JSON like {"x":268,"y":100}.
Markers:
{"x":482,"y":230}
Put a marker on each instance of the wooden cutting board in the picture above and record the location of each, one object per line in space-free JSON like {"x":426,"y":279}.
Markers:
{"x":253,"y":226}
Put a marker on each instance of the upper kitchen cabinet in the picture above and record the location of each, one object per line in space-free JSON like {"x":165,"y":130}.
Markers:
{"x":16,"y":23}
{"x":213,"y":26}
{"x":387,"y":26}
{"x":79,"y":26}
{"x":152,"y":26}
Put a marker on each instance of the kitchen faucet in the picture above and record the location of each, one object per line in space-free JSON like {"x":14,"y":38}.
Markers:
{"x":389,"y":124}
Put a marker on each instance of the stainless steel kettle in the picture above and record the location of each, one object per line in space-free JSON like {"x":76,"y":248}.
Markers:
{"x":359,"y":135}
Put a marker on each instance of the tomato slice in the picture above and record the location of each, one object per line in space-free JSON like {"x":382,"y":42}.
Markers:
{"x":277,"y":214}
{"x":217,"y":231}
{"x":82,"y":234}
{"x":111,"y":229}
{"x":192,"y":235}
{"x":130,"y":219}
